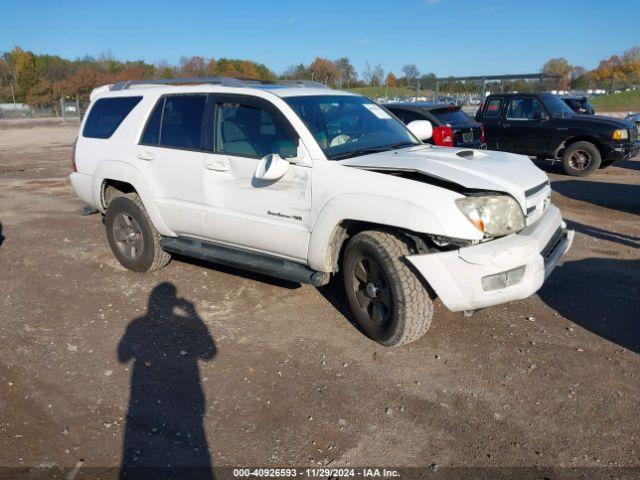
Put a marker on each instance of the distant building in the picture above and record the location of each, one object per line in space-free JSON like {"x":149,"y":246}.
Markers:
{"x":21,"y":107}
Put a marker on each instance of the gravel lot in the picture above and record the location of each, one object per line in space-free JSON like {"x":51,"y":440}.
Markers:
{"x":266,"y":373}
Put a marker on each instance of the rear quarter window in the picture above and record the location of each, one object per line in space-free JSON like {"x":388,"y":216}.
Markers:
{"x":107,"y":114}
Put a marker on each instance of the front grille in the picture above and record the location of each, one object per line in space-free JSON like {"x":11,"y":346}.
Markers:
{"x":554,"y":243}
{"x":633,"y":134}
{"x":536,"y":189}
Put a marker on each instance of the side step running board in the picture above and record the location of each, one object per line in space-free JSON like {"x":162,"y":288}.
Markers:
{"x":255,"y":262}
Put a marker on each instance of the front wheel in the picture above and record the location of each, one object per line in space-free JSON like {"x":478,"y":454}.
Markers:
{"x":581,"y":159}
{"x":389,"y":302}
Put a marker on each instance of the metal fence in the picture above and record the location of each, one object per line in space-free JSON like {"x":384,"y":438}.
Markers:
{"x":69,"y":108}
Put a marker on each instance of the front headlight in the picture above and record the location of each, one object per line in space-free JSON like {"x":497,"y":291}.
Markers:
{"x":493,"y":215}
{"x":620,"y":134}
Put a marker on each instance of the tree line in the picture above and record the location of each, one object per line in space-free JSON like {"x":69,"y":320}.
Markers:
{"x":40,"y":80}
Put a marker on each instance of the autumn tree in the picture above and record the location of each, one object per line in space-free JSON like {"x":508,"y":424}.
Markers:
{"x":194,"y":66}
{"x":558,"y":66}
{"x":391,"y":80}
{"x":348,"y":74}
{"x":22,"y":72}
{"x":325,"y":71}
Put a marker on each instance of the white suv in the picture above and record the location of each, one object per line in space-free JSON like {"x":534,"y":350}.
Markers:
{"x":301,"y":182}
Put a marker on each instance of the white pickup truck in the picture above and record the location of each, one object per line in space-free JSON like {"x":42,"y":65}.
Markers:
{"x":302,"y":182}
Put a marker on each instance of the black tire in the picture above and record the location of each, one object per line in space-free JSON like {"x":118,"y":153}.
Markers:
{"x":390,"y":305}
{"x":132,"y":237}
{"x":581,"y":159}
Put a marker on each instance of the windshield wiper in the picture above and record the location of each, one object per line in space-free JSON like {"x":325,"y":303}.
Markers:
{"x":365,"y":151}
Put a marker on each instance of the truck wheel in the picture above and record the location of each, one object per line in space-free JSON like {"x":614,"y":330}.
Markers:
{"x":132,"y":237}
{"x":581,"y":159}
{"x":389,"y":302}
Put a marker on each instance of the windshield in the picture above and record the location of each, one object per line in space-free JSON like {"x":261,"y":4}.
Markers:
{"x":556,"y":106}
{"x":347,"y":126}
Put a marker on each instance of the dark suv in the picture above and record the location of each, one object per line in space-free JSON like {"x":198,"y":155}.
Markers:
{"x":542,"y":125}
{"x":579,"y":105}
{"x":451,"y":126}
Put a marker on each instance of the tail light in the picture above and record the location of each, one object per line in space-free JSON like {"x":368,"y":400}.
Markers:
{"x":73,"y":155}
{"x":443,"y":136}
{"x":481,"y":133}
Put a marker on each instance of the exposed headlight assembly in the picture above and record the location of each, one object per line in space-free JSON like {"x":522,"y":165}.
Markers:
{"x":493,"y":215}
{"x":620,"y":134}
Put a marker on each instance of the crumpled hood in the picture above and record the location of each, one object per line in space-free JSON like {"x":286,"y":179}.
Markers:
{"x":484,"y":170}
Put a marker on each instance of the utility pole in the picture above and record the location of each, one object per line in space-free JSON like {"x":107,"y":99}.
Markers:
{"x":613,"y":83}
{"x":13,"y":95}
{"x":78,"y":107}
{"x":64,"y":120}
{"x":417,"y":88}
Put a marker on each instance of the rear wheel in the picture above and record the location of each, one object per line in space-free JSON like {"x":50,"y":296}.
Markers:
{"x":581,"y":159}
{"x":132,"y":237}
{"x":389,"y":302}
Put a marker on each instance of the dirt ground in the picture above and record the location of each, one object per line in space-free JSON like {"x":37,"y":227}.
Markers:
{"x":263,"y":373}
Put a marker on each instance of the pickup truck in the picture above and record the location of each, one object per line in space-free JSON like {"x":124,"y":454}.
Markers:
{"x":543,"y":126}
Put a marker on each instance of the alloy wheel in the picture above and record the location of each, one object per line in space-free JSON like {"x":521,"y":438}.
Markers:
{"x":372,"y":290}
{"x":128,"y":236}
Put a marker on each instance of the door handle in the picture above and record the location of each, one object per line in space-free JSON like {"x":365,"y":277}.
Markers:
{"x":217,"y":166}
{"x":506,"y":125}
{"x":145,"y":156}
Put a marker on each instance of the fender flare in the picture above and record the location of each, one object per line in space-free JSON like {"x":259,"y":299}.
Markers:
{"x":358,"y":207}
{"x":124,"y":172}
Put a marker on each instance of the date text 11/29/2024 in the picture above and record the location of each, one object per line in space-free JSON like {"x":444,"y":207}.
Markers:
{"x":315,"y":472}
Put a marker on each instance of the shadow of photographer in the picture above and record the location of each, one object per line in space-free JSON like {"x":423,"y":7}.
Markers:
{"x":164,"y":434}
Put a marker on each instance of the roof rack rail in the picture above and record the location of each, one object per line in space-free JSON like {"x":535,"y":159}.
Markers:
{"x":225,"y":81}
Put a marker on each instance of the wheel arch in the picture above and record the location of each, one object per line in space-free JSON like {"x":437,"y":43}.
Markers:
{"x":346,"y":215}
{"x":115,"y":179}
{"x":579,"y":138}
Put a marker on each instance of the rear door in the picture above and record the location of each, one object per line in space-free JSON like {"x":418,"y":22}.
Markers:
{"x":169,"y":154}
{"x":525,"y":128}
{"x":268,"y":216}
{"x":491,"y":121}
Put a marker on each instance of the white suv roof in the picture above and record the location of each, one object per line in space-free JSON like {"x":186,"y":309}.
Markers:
{"x":220,"y":84}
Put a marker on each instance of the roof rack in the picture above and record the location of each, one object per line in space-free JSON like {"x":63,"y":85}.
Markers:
{"x":224,"y":81}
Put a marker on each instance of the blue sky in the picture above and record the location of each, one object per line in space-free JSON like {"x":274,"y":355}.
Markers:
{"x":448,"y":37}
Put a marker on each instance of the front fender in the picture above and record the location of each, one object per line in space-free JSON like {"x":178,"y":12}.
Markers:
{"x":124,"y":172}
{"x":376,"y":209}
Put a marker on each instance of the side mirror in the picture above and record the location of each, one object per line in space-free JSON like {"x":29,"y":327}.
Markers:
{"x":271,"y":167}
{"x":422,"y":129}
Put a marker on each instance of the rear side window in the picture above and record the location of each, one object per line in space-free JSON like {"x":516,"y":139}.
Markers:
{"x":107,"y":114}
{"x":176,"y":122}
{"x":452,"y":116}
{"x":493,"y":107}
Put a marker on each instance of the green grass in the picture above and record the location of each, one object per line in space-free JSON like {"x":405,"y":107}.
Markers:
{"x":375,"y":92}
{"x":618,"y":102}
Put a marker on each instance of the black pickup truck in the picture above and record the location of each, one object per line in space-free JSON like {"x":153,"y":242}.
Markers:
{"x":542,"y":125}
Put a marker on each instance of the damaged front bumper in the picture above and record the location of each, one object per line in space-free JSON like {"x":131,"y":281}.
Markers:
{"x":498,"y":271}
